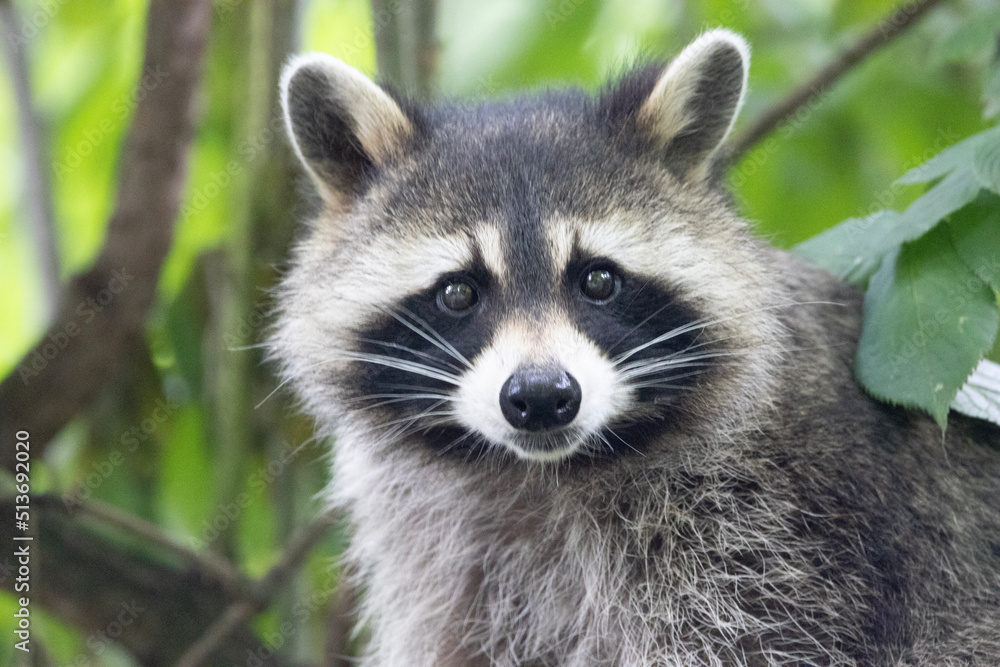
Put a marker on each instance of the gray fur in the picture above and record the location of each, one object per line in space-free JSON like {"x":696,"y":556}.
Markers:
{"x":773,"y":515}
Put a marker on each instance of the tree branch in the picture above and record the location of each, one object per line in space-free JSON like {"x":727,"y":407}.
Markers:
{"x":103,"y":306}
{"x":142,"y":598}
{"x":90,"y":581}
{"x":241,"y":611}
{"x":250,"y":36}
{"x":879,"y":36}
{"x":38,"y":187}
{"x":210,"y":565}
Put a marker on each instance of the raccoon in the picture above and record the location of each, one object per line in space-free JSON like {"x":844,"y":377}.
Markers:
{"x":582,"y":416}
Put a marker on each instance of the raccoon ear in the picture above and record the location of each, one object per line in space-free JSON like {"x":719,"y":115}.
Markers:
{"x":340,"y":123}
{"x":694,"y":102}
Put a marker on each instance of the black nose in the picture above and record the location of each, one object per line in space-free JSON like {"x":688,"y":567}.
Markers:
{"x":539,"y":398}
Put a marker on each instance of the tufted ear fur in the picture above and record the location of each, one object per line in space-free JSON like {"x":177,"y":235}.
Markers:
{"x":689,"y":110}
{"x":341,"y":124}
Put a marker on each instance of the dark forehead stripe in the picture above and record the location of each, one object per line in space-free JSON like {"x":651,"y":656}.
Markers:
{"x":525,"y":247}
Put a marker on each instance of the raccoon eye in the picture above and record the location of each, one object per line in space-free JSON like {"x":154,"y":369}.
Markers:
{"x":457,"y":297}
{"x":599,"y":285}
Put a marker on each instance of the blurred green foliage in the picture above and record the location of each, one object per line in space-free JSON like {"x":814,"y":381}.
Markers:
{"x":930,"y":305}
{"x":838,"y":158}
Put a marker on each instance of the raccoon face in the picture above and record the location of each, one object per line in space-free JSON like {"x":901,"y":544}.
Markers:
{"x":550,"y":277}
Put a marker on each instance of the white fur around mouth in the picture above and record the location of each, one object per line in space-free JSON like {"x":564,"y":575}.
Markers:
{"x":477,"y":399}
{"x":572,"y":446}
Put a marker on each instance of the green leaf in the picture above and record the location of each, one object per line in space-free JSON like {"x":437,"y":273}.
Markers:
{"x":184,"y":327}
{"x":945,"y":161}
{"x":986,"y":161}
{"x":183,"y":499}
{"x":972,"y":37}
{"x":853,"y":249}
{"x":991,"y":91}
{"x":975,"y":231}
{"x":952,"y":193}
{"x":928,"y":320}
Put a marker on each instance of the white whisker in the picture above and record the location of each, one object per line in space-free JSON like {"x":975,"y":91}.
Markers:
{"x":612,"y":432}
{"x":402,"y":425}
{"x":650,"y":366}
{"x":430,"y":335}
{"x":369,"y":397}
{"x":673,"y":333}
{"x":418,"y":353}
{"x":421,"y":416}
{"x":643,"y":322}
{"x":660,"y":385}
{"x":606,"y":442}
{"x":291,"y":378}
{"x":414,"y":367}
{"x":400,"y":399}
{"x":403,"y":365}
{"x":703,"y":324}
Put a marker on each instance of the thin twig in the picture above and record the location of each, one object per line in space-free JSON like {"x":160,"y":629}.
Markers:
{"x":217,"y":568}
{"x":419,"y":46}
{"x":388,"y":54}
{"x":243,"y":610}
{"x":878,"y":37}
{"x":38,"y":188}
{"x":235,"y":615}
{"x":299,"y":547}
{"x":406,"y":46}
{"x":338,"y":630}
